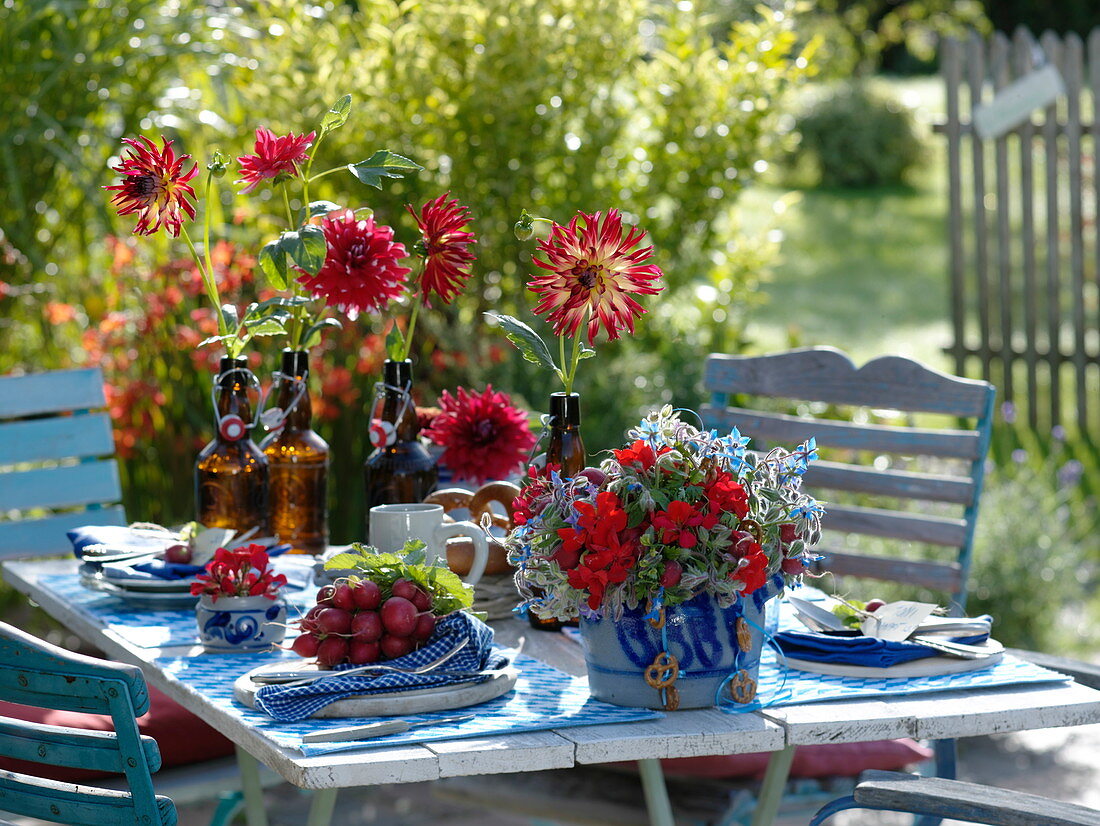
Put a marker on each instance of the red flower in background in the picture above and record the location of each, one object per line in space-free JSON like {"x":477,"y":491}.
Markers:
{"x":274,"y":156}
{"x":361,"y":271}
{"x":593,"y":270}
{"x":444,"y":246}
{"x":154,"y":186}
{"x":483,"y":435}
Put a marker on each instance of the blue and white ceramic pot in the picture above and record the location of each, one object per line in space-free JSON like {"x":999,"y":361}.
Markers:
{"x":709,"y":645}
{"x":236,"y":625}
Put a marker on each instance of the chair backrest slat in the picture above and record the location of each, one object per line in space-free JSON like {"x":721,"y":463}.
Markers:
{"x":60,"y":487}
{"x":47,"y":536}
{"x":60,"y":803}
{"x":827,"y":375}
{"x":876,"y":461}
{"x":69,"y":747}
{"x":779,"y":428}
{"x":55,"y":453}
{"x":892,"y":483}
{"x":36,"y":673}
{"x":37,"y":393}
{"x":38,"y":440}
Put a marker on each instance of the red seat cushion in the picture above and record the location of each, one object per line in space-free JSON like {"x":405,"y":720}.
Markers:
{"x":182,"y":737}
{"x":827,"y":760}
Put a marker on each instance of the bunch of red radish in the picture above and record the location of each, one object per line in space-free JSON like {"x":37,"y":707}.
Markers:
{"x":355,"y":621}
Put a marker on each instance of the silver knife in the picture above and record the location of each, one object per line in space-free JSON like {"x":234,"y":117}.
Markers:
{"x":340,"y":735}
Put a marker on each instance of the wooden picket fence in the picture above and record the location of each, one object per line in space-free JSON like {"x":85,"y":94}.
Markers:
{"x":1025,"y":262}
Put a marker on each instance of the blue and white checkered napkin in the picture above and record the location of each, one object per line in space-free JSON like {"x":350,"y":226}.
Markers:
{"x":291,"y":703}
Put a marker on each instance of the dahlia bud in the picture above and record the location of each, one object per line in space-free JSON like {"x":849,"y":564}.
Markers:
{"x":525,"y":227}
{"x":218,"y":165}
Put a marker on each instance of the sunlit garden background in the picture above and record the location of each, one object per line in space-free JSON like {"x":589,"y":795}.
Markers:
{"x":779,"y":155}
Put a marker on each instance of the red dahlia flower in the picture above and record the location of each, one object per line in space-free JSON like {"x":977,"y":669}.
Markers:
{"x":274,"y":156}
{"x":592,"y":272}
{"x":483,"y":435}
{"x":154,"y":186}
{"x":361,"y":270}
{"x":444,"y":246}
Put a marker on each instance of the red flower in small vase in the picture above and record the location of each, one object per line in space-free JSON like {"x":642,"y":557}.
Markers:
{"x":593,"y":270}
{"x":444,"y":245}
{"x":726,"y":495}
{"x":482,"y":434}
{"x":274,"y":156}
{"x":242,"y":572}
{"x":154,"y":186}
{"x":361,"y":270}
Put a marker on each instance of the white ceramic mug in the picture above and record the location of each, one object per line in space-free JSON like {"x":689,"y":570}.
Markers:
{"x":391,"y":526}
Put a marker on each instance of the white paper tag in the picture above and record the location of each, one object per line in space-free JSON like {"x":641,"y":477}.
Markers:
{"x":895,"y":621}
{"x":1014,"y":104}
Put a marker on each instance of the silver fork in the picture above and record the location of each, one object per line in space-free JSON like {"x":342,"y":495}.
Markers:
{"x":276,"y":677}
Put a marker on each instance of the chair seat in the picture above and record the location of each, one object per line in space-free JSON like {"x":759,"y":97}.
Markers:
{"x":810,"y":762}
{"x":182,"y":737}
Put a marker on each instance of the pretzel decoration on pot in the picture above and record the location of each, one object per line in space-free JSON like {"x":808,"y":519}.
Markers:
{"x":742,"y":687}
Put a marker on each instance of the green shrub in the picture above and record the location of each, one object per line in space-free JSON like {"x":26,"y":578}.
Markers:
{"x":857,"y":138}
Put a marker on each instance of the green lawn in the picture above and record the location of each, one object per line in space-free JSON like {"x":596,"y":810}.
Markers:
{"x":862,"y":270}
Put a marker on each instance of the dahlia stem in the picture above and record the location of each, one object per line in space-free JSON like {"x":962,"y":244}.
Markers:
{"x":412,"y":326}
{"x":289,"y":211}
{"x":561,"y":357}
{"x":576,"y":359}
{"x":208,"y":282}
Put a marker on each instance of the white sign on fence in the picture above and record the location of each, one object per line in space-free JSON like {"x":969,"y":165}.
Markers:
{"x":1014,"y":103}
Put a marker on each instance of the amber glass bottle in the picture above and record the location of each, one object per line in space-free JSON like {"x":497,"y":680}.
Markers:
{"x":566,"y":450}
{"x":298,"y":461}
{"x":400,"y":469}
{"x":231,"y":477}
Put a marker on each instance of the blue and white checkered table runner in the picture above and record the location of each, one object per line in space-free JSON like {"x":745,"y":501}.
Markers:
{"x":146,"y":628}
{"x":543,"y":698}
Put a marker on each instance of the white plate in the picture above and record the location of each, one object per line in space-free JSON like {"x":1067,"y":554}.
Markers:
{"x":392,"y":703}
{"x":158,"y":586}
{"x":149,"y":601}
{"x":928,"y":667}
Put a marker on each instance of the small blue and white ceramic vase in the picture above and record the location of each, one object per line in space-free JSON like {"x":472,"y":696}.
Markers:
{"x":702,"y":636}
{"x":238,"y":625}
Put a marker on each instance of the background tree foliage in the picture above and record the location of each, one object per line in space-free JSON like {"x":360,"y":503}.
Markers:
{"x":550,"y":106}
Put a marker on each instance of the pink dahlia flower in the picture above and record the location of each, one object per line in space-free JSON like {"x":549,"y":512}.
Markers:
{"x":274,"y":156}
{"x":444,"y":244}
{"x":362,"y":270}
{"x":591,"y":273}
{"x":154,"y":186}
{"x":483,"y":435}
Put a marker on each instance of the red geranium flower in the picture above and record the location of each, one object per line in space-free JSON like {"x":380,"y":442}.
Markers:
{"x":154,"y":186}
{"x":274,"y":156}
{"x":443,"y":245}
{"x":361,"y":270}
{"x":483,"y":435}
{"x":241,"y":572}
{"x":639,"y":454}
{"x":676,"y":522}
{"x":726,"y":495}
{"x":752,"y":572}
{"x":592,"y":272}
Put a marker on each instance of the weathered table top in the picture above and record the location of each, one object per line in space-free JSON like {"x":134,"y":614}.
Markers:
{"x":680,"y":734}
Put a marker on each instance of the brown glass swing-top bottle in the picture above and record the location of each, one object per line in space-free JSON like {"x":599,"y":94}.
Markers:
{"x":298,"y":460}
{"x":231,"y":473}
{"x":400,"y":469}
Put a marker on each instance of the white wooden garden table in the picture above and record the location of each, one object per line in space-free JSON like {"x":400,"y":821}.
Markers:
{"x":681,"y":734}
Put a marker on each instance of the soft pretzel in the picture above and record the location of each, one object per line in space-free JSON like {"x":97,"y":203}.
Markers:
{"x":483,"y":498}
{"x":450,"y":498}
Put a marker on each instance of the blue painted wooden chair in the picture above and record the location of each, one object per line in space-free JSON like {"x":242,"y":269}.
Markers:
{"x":38,"y":674}
{"x":57,"y":469}
{"x":968,"y":802}
{"x":928,"y":472}
{"x":935,"y":797}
